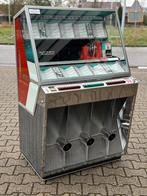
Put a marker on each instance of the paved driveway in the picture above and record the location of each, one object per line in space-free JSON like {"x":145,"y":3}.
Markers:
{"x":7,"y":55}
{"x":125,"y":177}
{"x":137,"y":56}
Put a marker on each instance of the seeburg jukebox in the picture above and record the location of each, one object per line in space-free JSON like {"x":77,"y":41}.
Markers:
{"x":75,"y":91}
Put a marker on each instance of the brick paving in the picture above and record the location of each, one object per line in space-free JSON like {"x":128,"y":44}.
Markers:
{"x":125,"y":177}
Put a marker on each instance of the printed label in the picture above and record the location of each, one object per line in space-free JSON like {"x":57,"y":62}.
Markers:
{"x":34,"y":11}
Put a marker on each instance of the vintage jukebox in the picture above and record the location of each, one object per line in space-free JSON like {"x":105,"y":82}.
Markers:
{"x":75,"y":91}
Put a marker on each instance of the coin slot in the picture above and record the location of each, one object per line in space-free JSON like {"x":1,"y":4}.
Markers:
{"x":115,"y":82}
{"x":66,"y":88}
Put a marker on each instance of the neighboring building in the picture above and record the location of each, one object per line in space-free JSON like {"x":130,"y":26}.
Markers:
{"x":135,"y":13}
{"x":3,"y":17}
{"x":145,"y":10}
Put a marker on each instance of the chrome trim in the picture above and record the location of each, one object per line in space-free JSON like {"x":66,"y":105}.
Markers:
{"x":122,"y":41}
{"x":67,"y":8}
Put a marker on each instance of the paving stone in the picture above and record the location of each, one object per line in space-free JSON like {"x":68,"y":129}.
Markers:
{"x":3,"y":142}
{"x":5,"y":132}
{"x":66,"y":194}
{"x":10,"y":155}
{"x":109,"y":164}
{"x":19,"y":188}
{"x":15,"y":132}
{"x":130,"y":145}
{"x":143,"y":181}
{"x":139,"y":146}
{"x":81,"y":179}
{"x":96,"y":170}
{"x":13,"y":194}
{"x":7,"y":170}
{"x":143,"y":158}
{"x":17,"y":162}
{"x":128,"y":180}
{"x":145,"y":134}
{"x":136,"y":151}
{"x":39,"y":194}
{"x":114,"y":190}
{"x":143,"y":140}
{"x":9,"y":137}
{"x":16,"y":149}
{"x":146,"y":151}
{"x":122,"y":164}
{"x":46,"y":188}
{"x":3,"y":162}
{"x":62,"y":179}
{"x":135,"y":172}
{"x":139,"y":165}
{"x":133,"y":157}
{"x":11,"y":142}
{"x":6,"y":148}
{"x":139,"y":191}
{"x":138,"y":130}
{"x":104,"y":180}
{"x":133,"y":139}
{"x":24,"y":170}
{"x":3,"y":188}
{"x":100,"y":189}
{"x":11,"y":178}
{"x":62,"y":188}
{"x":97,"y":194}
{"x":112,"y":171}
{"x":136,"y":136}
{"x":30,"y":179}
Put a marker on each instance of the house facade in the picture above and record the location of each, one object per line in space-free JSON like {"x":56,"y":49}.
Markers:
{"x":135,"y":13}
{"x":3,"y":17}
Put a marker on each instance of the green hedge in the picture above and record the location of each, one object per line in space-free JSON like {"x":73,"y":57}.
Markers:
{"x":145,"y":19}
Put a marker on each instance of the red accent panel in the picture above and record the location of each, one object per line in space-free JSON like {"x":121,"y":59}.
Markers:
{"x":22,"y":67}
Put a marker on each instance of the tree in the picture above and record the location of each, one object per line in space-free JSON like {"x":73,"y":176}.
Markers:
{"x":16,"y":5}
{"x":120,"y":14}
{"x":4,"y":8}
{"x":71,"y":3}
{"x":39,"y":2}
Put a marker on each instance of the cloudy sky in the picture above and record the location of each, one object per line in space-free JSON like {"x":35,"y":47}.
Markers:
{"x":129,"y":2}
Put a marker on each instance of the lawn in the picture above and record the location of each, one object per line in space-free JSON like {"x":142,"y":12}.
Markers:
{"x":136,"y":36}
{"x":6,"y":34}
{"x":133,"y":36}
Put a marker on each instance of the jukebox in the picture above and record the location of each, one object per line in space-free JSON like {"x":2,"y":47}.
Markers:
{"x":75,"y":91}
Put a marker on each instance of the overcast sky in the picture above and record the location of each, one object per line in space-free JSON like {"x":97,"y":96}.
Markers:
{"x":129,"y":2}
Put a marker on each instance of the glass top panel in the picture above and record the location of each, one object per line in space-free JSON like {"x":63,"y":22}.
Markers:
{"x":65,"y":24}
